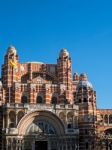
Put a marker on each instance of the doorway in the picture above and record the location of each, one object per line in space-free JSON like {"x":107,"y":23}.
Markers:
{"x":41,"y":145}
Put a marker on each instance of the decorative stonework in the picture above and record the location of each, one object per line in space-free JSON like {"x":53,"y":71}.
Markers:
{"x":38,"y":99}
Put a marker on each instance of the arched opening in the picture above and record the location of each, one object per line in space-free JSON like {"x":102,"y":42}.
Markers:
{"x":39,"y":99}
{"x":62,"y":116}
{"x":12,"y":119}
{"x":24,"y":78}
{"x":108,"y":135}
{"x":70,"y":120}
{"x":54,"y":100}
{"x":38,"y":116}
{"x":69,"y":126}
{"x":106,"y":119}
{"x":110,"y":119}
{"x":19,"y":116}
{"x":24,"y":99}
{"x":108,"y":131}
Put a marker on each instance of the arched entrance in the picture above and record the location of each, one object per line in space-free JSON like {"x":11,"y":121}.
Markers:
{"x":38,"y":129}
{"x":106,"y":139}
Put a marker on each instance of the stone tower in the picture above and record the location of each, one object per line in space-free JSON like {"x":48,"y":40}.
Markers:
{"x":9,"y":73}
{"x":85,"y":98}
{"x":65,"y":75}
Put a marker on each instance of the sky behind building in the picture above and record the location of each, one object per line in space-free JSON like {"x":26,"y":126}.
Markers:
{"x":40,"y":28}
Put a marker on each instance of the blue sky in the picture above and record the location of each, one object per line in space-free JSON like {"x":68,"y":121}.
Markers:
{"x":40,"y":28}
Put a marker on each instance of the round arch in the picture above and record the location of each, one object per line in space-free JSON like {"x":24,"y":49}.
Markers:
{"x":42,"y":115}
{"x":39,"y":99}
{"x":108,"y":131}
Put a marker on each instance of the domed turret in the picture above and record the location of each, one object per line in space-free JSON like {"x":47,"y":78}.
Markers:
{"x":83,"y":82}
{"x":10,"y":66}
{"x":11,"y":50}
{"x":63,"y":53}
{"x":75,"y":76}
{"x":83,"y":77}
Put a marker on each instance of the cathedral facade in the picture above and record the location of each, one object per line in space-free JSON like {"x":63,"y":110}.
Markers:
{"x":45,"y":107}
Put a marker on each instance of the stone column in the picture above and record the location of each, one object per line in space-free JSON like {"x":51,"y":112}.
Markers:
{"x":11,"y":144}
{"x":16,"y":119}
{"x":3,"y":120}
{"x":33,"y":145}
{"x":20,"y":144}
{"x":66,"y":144}
{"x":49,"y":145}
{"x":62,"y":144}
{"x":7,"y":144}
{"x":7,"y":119}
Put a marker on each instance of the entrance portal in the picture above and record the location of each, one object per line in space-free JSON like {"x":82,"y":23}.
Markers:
{"x":41,"y":145}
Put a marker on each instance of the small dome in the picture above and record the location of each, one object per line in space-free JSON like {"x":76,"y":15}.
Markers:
{"x":75,"y":76}
{"x":63,"y":52}
{"x":11,"y":49}
{"x":83,"y":84}
{"x":83,"y":77}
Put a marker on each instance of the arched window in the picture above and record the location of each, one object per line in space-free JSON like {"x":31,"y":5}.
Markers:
{"x":70,"y":117}
{"x":70,"y":120}
{"x":12,"y":119}
{"x":106,"y":119}
{"x":24,"y":99}
{"x":24,"y":78}
{"x":39,"y":99}
{"x":20,"y":115}
{"x":110,"y":119}
{"x":12,"y":116}
{"x":54,"y":100}
{"x":108,"y":131}
{"x":62,"y":116}
{"x":70,"y":125}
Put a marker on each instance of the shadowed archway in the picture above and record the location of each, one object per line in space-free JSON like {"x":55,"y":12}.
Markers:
{"x":46,"y":116}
